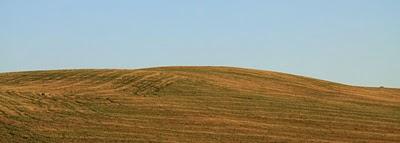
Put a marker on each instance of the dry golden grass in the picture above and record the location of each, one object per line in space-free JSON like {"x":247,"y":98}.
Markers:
{"x":191,"y":104}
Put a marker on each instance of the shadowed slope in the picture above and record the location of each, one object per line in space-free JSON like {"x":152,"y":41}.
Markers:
{"x":191,"y":104}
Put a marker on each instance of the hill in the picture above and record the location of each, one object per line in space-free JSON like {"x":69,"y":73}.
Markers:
{"x":191,"y":104}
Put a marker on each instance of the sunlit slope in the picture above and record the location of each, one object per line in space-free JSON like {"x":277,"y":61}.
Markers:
{"x":191,"y":104}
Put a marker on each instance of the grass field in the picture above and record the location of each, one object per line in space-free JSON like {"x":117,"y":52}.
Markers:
{"x":191,"y":104}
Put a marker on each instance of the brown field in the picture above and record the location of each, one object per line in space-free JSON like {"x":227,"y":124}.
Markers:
{"x":191,"y":104}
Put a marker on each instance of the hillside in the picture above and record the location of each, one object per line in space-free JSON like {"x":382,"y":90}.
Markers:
{"x":191,"y":104}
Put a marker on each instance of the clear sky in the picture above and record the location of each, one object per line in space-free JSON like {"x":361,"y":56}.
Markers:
{"x":348,"y":41}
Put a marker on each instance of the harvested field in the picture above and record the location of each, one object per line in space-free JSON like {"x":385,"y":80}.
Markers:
{"x":192,"y":104}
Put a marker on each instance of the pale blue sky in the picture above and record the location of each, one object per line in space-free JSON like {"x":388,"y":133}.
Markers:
{"x":348,"y":41}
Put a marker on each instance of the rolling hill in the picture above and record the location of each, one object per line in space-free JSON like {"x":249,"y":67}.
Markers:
{"x":191,"y":104}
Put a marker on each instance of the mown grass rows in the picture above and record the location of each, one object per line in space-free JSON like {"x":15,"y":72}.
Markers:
{"x":186,"y":105}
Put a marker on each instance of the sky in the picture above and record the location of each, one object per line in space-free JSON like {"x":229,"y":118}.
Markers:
{"x":348,"y":41}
